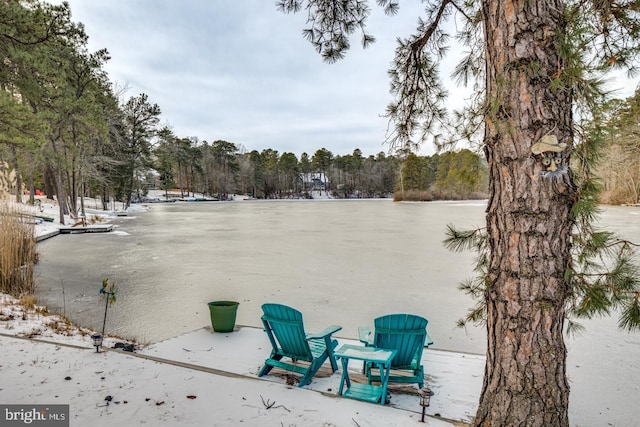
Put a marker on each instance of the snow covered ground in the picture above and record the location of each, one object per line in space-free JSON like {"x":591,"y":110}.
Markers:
{"x":200,"y":378}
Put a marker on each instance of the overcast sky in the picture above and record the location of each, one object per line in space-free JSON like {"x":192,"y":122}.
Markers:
{"x":239,"y":70}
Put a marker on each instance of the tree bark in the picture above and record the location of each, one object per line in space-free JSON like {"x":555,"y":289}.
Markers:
{"x":105,"y":198}
{"x":32,"y":186}
{"x":49,"y":182}
{"x":62,"y":207}
{"x":18,"y":172}
{"x":528,"y":217}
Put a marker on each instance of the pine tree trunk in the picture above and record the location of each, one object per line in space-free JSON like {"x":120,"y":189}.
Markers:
{"x":105,"y":198}
{"x":528,"y":217}
{"x":16,"y":168}
{"x":49,"y":182}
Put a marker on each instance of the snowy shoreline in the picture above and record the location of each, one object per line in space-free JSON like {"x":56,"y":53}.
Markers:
{"x":46,"y":360}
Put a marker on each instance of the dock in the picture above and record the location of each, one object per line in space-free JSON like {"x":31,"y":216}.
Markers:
{"x":86,"y":229}
{"x":46,"y":236}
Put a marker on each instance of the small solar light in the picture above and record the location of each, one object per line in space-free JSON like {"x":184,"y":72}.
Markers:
{"x":97,"y":341}
{"x":425,"y":400}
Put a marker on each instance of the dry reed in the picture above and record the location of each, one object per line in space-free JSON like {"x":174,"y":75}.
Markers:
{"x":18,"y":252}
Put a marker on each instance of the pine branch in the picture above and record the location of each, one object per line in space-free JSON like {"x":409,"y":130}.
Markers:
{"x":630,"y":316}
{"x":458,"y":241}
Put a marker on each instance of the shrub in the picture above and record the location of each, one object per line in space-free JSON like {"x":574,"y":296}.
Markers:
{"x":18,"y":253}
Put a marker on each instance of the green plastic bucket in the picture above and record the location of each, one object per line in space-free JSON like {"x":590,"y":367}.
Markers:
{"x":223,"y":315}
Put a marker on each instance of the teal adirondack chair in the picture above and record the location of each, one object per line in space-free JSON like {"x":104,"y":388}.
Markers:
{"x":285,"y":329}
{"x":405,"y":333}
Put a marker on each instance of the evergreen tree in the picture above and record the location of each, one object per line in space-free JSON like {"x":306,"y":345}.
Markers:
{"x":225,"y":167}
{"x":26,"y":30}
{"x":258,"y":182}
{"x":269,"y":159}
{"x":288,"y":167}
{"x":165,"y":160}
{"x":140,"y":125}
{"x":305,"y":169}
{"x":322,"y":160}
{"x":412,"y":173}
{"x":531,"y":64}
{"x":47,"y":67}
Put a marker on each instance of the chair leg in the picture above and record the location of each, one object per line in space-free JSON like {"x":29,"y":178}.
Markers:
{"x":265,"y":370}
{"x":332,"y":360}
{"x":331,"y":345}
{"x":369,"y":370}
{"x":306,"y":378}
{"x":267,"y":367}
{"x":365,"y":368}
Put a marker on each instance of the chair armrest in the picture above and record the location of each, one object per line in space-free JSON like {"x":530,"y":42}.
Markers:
{"x":328,"y":331}
{"x":427,"y":340}
{"x":365,"y":336}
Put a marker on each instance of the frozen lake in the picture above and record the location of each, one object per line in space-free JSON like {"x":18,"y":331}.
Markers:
{"x":343,"y":262}
{"x":339,"y":262}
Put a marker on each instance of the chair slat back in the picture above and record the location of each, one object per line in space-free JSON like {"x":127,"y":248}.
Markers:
{"x":405,"y":333}
{"x":285,"y":328}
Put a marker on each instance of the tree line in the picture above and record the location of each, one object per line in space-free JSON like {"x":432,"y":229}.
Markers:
{"x":66,"y":129}
{"x":221,"y":168}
